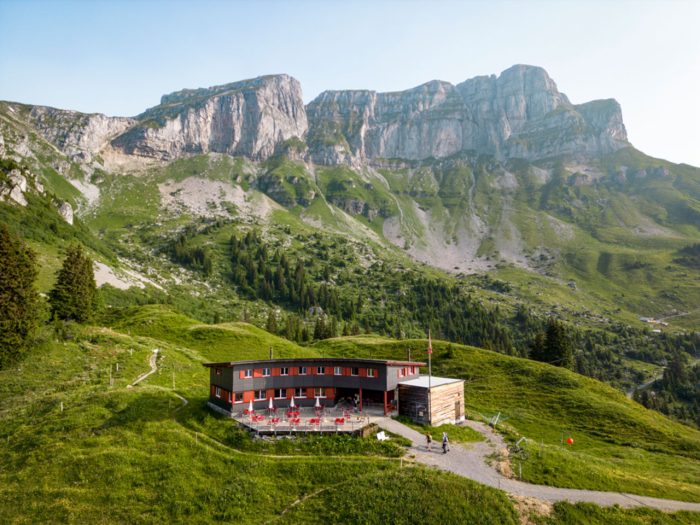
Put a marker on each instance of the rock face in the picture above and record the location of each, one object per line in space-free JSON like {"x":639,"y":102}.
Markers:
{"x":78,"y":135}
{"x":65,"y":210}
{"x":517,"y":114}
{"x":250,"y":118}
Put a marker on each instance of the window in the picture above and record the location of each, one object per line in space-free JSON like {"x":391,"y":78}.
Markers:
{"x":217,"y":391}
{"x":413,"y":370}
{"x":266,"y":372}
{"x":280,"y":393}
{"x":259,"y":394}
{"x":354,"y":371}
{"x":338,"y":371}
{"x":399,"y":372}
{"x":302,"y":370}
{"x":320,"y":392}
{"x":238,"y":397}
{"x":284,"y":371}
{"x":218,"y":371}
{"x":248,"y":373}
{"x":321,"y":370}
{"x":371,"y":372}
{"x":230,"y":397}
{"x":299,"y":392}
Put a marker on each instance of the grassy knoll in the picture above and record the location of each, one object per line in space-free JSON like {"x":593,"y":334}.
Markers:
{"x":225,"y":342}
{"x":405,"y":496}
{"x":618,"y":444}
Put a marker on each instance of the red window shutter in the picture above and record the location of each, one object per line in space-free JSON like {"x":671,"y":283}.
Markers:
{"x":290,"y":393}
{"x":363,"y":372}
{"x":257,"y":372}
{"x":275,"y":371}
{"x":241,"y":374}
{"x":310,"y":393}
{"x":270,"y":392}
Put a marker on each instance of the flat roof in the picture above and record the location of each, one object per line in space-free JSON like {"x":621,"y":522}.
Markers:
{"x":320,"y":360}
{"x":422,"y":381}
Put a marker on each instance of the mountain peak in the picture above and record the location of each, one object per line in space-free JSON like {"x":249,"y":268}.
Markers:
{"x":187,"y":94}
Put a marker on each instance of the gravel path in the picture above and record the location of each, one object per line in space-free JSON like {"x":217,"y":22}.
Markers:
{"x":152,"y":362}
{"x":469,"y":460}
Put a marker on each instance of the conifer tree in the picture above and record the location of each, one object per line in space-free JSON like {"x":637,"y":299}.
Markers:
{"x":19,"y":301}
{"x":74,"y":295}
{"x":557,"y":348}
{"x":271,"y":325}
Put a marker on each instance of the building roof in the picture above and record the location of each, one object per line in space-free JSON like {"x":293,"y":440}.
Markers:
{"x":422,"y":381}
{"x":319,"y":360}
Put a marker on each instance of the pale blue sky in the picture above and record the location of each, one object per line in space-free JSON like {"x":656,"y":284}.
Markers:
{"x":119,"y":57}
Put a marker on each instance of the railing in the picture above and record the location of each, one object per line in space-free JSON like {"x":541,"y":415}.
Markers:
{"x":303,"y":420}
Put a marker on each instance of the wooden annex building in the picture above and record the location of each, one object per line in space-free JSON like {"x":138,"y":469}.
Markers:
{"x":385,"y":386}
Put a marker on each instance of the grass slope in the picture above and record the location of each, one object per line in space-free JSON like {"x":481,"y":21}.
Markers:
{"x":77,"y":448}
{"x":619,"y":445}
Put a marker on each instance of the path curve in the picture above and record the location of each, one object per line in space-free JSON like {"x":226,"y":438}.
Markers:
{"x":152,"y":361}
{"x":471,"y":463}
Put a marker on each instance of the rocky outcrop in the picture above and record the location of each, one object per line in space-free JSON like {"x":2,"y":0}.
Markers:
{"x":249,"y":118}
{"x":519,"y":114}
{"x":80,"y":136}
{"x":65,"y":210}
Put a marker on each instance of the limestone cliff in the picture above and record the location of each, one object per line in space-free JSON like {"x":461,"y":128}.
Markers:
{"x":249,"y":118}
{"x":78,"y":135}
{"x":520,"y":113}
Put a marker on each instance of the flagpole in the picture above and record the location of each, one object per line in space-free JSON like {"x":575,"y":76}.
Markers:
{"x":430,"y":378}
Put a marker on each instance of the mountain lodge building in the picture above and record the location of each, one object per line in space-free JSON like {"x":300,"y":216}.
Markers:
{"x":389,"y":385}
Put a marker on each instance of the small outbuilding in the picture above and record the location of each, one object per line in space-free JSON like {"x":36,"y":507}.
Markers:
{"x":432,"y":400}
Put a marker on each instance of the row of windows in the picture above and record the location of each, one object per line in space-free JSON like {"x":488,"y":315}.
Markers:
{"x":303,"y":370}
{"x":261,"y":395}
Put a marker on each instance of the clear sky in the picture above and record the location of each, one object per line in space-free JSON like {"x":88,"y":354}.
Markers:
{"x":119,"y":57}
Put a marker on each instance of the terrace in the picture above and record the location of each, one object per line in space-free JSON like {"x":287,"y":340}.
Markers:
{"x":301,"y":420}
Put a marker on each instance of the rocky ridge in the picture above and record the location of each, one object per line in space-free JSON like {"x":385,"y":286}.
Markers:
{"x":249,"y":118}
{"x":80,"y":136}
{"x":519,"y":114}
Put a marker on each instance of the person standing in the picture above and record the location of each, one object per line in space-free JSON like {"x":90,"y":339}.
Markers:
{"x":428,"y":440}
{"x":445,"y":443}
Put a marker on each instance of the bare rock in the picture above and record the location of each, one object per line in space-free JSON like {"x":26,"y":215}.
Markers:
{"x":65,"y":210}
{"x":80,"y":136}
{"x":519,"y":114}
{"x":249,"y":118}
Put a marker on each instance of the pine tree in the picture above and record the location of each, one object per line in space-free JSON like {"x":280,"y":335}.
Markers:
{"x":557,"y":348}
{"x":74,"y":296}
{"x":19,"y":301}
{"x":271,"y":325}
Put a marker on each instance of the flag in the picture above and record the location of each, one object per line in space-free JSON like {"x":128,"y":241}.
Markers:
{"x":430,"y":343}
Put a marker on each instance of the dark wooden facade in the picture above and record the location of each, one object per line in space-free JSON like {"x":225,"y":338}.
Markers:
{"x":233,"y":385}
